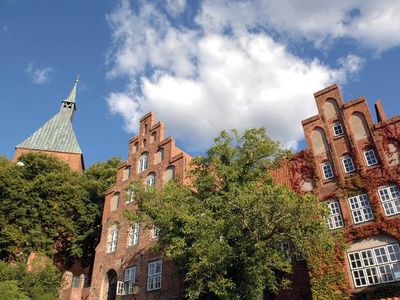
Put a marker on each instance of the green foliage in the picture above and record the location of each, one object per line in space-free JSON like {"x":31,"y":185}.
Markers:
{"x":46,"y":207}
{"x":17,"y":283}
{"x":9,"y":290}
{"x":223,"y":231}
{"x":100,"y":177}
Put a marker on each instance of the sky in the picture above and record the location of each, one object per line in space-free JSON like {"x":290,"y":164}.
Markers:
{"x":200,"y":66}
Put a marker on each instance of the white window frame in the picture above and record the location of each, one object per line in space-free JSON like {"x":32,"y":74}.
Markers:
{"x":120,"y":288}
{"x":370,"y":157}
{"x":134,"y":233}
{"x":151,"y":180}
{"x":130,"y":196}
{"x":390,"y":199}
{"x":155,"y":232}
{"x":129,"y":280}
{"x":154,"y":272}
{"x":360,"y":208}
{"x":348,"y":164}
{"x":375,"y":265}
{"x":324,"y":167}
{"x":340,"y":130}
{"x":335,"y":218}
{"x":112,"y":240}
{"x":143,"y":162}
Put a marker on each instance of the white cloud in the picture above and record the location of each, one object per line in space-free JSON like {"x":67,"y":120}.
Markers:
{"x":373,"y":24}
{"x":175,"y":7}
{"x":39,"y":75}
{"x":352,"y":63}
{"x":204,"y":80}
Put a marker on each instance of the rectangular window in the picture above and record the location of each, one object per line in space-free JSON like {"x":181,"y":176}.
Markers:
{"x":284,"y":247}
{"x":130,"y":196}
{"x":327,"y":171}
{"x":370,"y":157}
{"x":360,"y":208}
{"x":155,"y":232}
{"x":335,"y":219}
{"x":120,"y":288}
{"x":154,"y":275}
{"x":134,"y":234}
{"x":390,"y":198}
{"x":112,"y":241}
{"x":337,"y":129}
{"x":129,"y":280}
{"x":375,"y":266}
{"x":348,"y":164}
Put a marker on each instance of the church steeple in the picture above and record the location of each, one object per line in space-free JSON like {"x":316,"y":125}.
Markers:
{"x":57,"y":136}
{"x":68,"y":105}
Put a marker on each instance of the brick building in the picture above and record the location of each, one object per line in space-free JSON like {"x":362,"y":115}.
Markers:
{"x":351,"y":163}
{"x":57,"y":137}
{"x":124,"y":263}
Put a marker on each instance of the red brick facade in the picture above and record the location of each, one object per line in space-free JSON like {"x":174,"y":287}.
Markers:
{"x":164,"y":161}
{"x":350,"y":162}
{"x":364,"y":165}
{"x":74,"y":160}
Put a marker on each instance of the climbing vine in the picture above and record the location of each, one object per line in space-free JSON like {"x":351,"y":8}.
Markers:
{"x":326,"y":269}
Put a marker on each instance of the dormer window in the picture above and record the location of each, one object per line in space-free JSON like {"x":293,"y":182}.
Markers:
{"x":337,"y":129}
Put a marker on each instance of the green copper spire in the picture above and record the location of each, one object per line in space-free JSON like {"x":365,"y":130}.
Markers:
{"x":68,"y":105}
{"x":57,"y":134}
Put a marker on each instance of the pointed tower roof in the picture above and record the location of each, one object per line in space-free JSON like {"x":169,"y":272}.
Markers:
{"x":72,"y":94}
{"x":57,"y":134}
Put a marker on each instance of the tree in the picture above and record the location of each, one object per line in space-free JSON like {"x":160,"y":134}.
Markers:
{"x":226,"y":229}
{"x":16,"y":283}
{"x":97,"y":179}
{"x":46,"y":207}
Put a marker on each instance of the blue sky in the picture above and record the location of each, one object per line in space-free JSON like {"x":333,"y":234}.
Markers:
{"x":200,"y":67}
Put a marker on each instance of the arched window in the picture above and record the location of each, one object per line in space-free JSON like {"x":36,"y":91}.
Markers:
{"x":114,"y":201}
{"x":331,"y":109}
{"x":151,"y":179}
{"x":319,"y":142}
{"x":143,"y":162}
{"x":136,"y":147}
{"x":359,"y":126}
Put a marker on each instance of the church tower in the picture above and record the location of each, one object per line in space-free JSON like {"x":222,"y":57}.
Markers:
{"x":57,"y":137}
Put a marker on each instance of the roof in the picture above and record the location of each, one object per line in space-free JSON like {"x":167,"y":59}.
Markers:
{"x":57,"y":134}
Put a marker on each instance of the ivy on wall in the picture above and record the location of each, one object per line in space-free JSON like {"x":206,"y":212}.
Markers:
{"x":327,"y":274}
